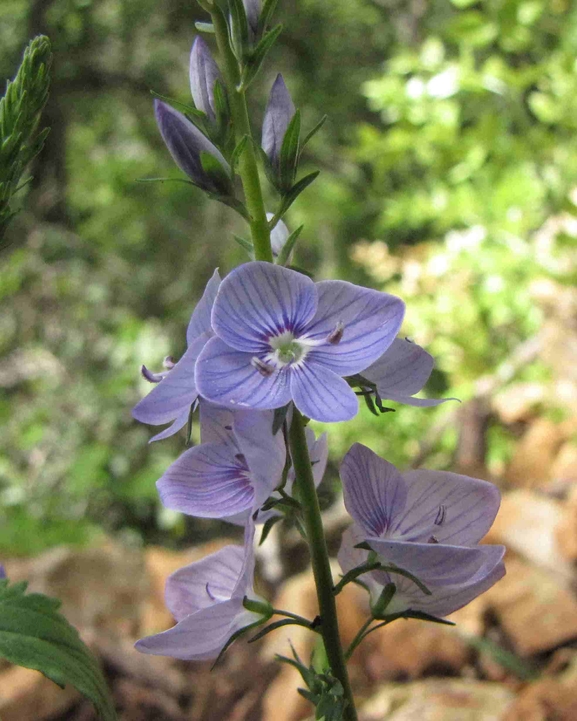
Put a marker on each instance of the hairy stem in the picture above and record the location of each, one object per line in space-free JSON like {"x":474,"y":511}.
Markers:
{"x":248,"y":167}
{"x":329,"y":627}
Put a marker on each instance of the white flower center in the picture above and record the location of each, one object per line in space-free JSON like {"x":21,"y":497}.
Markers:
{"x":288,"y":350}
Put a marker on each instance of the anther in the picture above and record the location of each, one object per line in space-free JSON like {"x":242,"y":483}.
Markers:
{"x":209,"y":594}
{"x":336,"y":335}
{"x":265,"y":369}
{"x":168,"y":363}
{"x":150,"y":376}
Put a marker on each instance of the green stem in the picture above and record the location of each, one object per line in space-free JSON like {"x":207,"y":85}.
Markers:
{"x":358,"y":638}
{"x":329,"y":627}
{"x":248,"y":167}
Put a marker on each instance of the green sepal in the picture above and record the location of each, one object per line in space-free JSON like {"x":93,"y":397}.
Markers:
{"x":379,"y":607}
{"x":233,"y":638}
{"x":268,"y":525}
{"x":289,"y":153}
{"x":34,"y":635}
{"x":268,"y":9}
{"x":258,"y":55}
{"x":238,"y":29}
{"x":204,"y":27}
{"x":287,"y":248}
{"x":279,"y":624}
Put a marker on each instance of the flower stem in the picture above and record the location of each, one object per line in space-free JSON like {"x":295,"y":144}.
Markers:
{"x":320,"y":559}
{"x":248,"y":167}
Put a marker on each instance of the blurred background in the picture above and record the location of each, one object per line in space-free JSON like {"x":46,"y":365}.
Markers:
{"x":449,"y":177}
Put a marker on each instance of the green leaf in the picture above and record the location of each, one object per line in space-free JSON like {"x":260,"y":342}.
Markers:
{"x":267,"y":528}
{"x":288,"y":246}
{"x":245,"y":245}
{"x":314,"y":131}
{"x":297,"y":189}
{"x":268,"y":9}
{"x":33,"y":634}
{"x":204,"y":27}
{"x":259,"y":54}
{"x":238,"y":28}
{"x":238,"y":151}
{"x":289,"y":152}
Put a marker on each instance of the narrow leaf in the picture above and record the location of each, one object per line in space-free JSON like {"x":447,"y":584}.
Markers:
{"x":314,"y":131}
{"x":288,"y":246}
{"x":245,"y":245}
{"x":297,"y":189}
{"x":259,"y":54}
{"x":289,"y":152}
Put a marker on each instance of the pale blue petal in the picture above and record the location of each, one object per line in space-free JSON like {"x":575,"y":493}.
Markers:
{"x":215,"y":423}
{"x":278,"y":235}
{"x":257,"y":301}
{"x":200,"y":319}
{"x":278,"y":114}
{"x":207,"y":481}
{"x":179,"y":422}
{"x":203,"y":72}
{"x":370,"y":321}
{"x":374,"y":490}
{"x":321,"y":394}
{"x":226,"y":376}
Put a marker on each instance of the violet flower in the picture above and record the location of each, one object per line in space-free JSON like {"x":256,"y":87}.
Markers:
{"x":2,"y":572}
{"x":187,"y":144}
{"x":402,"y":371}
{"x":206,"y":599}
{"x":426,"y":522}
{"x":231,"y":475}
{"x":278,"y":114}
{"x":203,"y":73}
{"x":282,"y":337}
{"x":176,"y":392}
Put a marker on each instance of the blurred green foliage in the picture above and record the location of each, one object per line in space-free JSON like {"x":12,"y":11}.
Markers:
{"x":450,"y":143}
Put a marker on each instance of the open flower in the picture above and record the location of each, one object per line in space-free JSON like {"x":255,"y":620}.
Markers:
{"x":426,"y":522}
{"x":282,"y":337}
{"x":402,"y":371}
{"x":231,"y":476}
{"x":206,"y":599}
{"x":175,"y":392}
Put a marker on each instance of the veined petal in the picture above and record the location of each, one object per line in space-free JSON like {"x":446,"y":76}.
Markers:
{"x":455,"y":509}
{"x":436,"y":563}
{"x":200,"y":319}
{"x":203,"y":74}
{"x":185,"y":143}
{"x":206,"y":481}
{"x":374,"y":490}
{"x":318,"y":452}
{"x":175,"y":393}
{"x":370,"y":321}
{"x":321,"y":394}
{"x":201,"y":636}
{"x":259,"y":300}
{"x":215,"y":423}
{"x":179,"y":422}
{"x":404,"y":368}
{"x":204,"y":583}
{"x":226,"y":376}
{"x":278,"y":114}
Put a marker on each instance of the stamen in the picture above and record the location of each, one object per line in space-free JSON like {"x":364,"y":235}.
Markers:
{"x":209,"y":594}
{"x":150,"y":376}
{"x":168,"y":363}
{"x":440,"y":519}
{"x":264,"y":368}
{"x":336,"y":336}
{"x":433,"y":539}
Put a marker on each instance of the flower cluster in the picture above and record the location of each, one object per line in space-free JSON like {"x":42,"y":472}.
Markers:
{"x":267,"y":349}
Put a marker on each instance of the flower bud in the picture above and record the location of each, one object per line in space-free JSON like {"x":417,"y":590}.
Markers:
{"x":279,"y":112}
{"x":203,"y":72}
{"x":252,"y":9}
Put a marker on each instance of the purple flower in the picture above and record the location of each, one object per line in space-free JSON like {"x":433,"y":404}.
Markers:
{"x":282,"y":337}
{"x":426,"y":522}
{"x":2,"y":572}
{"x":187,"y":146}
{"x":206,"y":599}
{"x":203,"y":74}
{"x":232,"y":474}
{"x":172,"y":398}
{"x":278,"y":114}
{"x":402,"y":371}
{"x":278,"y":236}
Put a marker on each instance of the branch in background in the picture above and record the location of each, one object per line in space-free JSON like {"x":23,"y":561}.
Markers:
{"x":20,"y":111}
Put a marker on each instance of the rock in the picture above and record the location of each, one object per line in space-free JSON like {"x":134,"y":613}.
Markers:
{"x":533,"y":607}
{"x":566,"y":530}
{"x":518,"y":402}
{"x":564,"y":469}
{"x":531,"y":464}
{"x":439,"y":700}
{"x":27,"y":695}
{"x":543,"y":701}
{"x":527,"y":523}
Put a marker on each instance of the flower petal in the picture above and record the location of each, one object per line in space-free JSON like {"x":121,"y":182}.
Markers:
{"x":201,"y":636}
{"x":206,"y":481}
{"x":371,"y":320}
{"x":215,"y":423}
{"x":321,"y":394}
{"x":202,"y":583}
{"x":374,"y":490}
{"x":179,"y":422}
{"x":258,"y":300}
{"x":319,"y":454}
{"x":226,"y":376}
{"x":203,"y":74}
{"x":456,"y":509}
{"x":175,"y":393}
{"x":278,"y":235}
{"x":278,"y":114}
{"x":200,"y":319}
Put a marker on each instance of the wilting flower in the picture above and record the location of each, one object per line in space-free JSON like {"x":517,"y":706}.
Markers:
{"x":206,"y":599}
{"x":402,"y":371}
{"x":282,"y":337}
{"x":232,"y":474}
{"x":176,"y":391}
{"x":187,"y":145}
{"x":203,"y":74}
{"x":426,"y":522}
{"x":278,"y":114}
